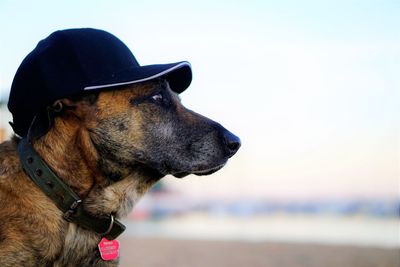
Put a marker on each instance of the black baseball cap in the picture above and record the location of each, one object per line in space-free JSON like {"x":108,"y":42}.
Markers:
{"x":73,"y":61}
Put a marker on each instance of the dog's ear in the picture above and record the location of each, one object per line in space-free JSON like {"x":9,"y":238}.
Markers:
{"x":44,"y":118}
{"x":72,"y":101}
{"x":77,"y":105}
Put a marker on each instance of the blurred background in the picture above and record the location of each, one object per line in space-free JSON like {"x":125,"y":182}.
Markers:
{"x":311,"y":88}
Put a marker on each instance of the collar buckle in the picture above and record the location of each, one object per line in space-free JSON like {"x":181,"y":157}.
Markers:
{"x":72,"y":209}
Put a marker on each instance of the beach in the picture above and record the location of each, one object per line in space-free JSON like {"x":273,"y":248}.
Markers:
{"x":281,"y":240}
{"x":152,"y":252}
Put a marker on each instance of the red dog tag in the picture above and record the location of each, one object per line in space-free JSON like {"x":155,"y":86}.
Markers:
{"x":109,"y":249}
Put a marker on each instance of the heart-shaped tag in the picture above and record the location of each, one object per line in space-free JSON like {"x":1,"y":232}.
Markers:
{"x":109,"y":249}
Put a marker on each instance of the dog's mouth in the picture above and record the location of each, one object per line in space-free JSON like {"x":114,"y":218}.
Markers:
{"x":199,"y":172}
{"x":166,"y":168}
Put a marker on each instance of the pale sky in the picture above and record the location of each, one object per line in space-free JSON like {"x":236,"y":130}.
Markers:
{"x":311,"y":87}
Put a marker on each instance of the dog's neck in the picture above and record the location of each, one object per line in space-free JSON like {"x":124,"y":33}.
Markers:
{"x":70,"y":153}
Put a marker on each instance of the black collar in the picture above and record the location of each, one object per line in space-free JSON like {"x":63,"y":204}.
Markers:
{"x":65,"y":199}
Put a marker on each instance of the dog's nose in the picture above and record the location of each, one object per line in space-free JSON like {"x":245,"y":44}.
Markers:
{"x":232,"y":143}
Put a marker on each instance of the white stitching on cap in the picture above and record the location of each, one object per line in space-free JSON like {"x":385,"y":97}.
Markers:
{"x":138,"y":81}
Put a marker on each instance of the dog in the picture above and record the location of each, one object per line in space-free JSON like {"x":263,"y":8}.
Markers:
{"x":109,"y":147}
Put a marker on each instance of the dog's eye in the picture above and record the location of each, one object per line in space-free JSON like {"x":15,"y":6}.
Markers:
{"x":157,"y":97}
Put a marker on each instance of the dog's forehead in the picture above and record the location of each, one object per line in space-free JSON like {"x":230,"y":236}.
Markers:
{"x":140,"y":89}
{"x":111,"y":99}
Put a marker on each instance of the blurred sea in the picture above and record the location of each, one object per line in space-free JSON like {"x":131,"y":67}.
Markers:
{"x":372,"y":222}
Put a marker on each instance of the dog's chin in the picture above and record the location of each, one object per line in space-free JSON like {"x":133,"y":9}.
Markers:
{"x":149,"y":173}
{"x":198,"y":172}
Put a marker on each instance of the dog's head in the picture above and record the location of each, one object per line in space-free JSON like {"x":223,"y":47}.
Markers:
{"x":146,"y":126}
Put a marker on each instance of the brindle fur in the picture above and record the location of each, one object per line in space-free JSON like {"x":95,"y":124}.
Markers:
{"x":110,"y":148}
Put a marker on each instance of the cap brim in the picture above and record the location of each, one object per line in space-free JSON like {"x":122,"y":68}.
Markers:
{"x":179,"y":76}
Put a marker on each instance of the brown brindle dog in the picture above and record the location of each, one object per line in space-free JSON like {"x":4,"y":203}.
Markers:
{"x":109,"y":147}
